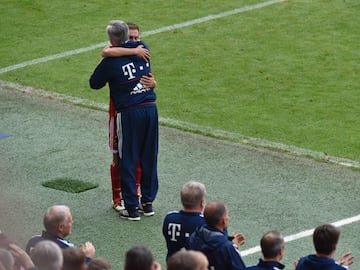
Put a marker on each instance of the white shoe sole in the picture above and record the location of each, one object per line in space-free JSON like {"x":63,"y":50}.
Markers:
{"x":147,"y":214}
{"x":118,"y":208}
{"x":130,"y":218}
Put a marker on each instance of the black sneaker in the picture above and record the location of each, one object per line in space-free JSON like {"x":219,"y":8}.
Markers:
{"x":147,"y":209}
{"x":130,"y":215}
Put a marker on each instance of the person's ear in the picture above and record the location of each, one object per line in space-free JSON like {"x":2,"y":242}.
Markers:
{"x":282,"y":252}
{"x":60,"y":227}
{"x":224,"y":222}
{"x":202,"y":204}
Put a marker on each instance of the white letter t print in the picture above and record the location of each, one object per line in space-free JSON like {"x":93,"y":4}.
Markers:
{"x":129,"y":70}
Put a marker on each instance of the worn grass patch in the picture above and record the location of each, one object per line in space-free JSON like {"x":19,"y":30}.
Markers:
{"x":69,"y":185}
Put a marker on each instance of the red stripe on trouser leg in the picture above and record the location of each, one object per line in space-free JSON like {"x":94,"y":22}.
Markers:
{"x":115,"y":183}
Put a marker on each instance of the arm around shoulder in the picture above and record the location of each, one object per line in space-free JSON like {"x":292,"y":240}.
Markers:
{"x":140,"y":51}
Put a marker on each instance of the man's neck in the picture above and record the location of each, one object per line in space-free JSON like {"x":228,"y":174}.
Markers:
{"x":329,"y":256}
{"x":192,"y":210}
{"x":220,"y":228}
{"x":276,"y":259}
{"x":57,"y":234}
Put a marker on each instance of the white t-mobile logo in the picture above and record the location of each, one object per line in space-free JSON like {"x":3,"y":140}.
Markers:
{"x":174,"y":231}
{"x":129,"y":70}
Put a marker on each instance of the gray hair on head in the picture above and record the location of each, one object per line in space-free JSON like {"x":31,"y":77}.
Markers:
{"x":55,"y":215}
{"x":7,"y":259}
{"x":118,"y":32}
{"x":192,"y":193}
{"x":47,"y":255}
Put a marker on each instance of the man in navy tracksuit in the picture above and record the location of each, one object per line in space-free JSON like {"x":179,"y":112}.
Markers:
{"x":273,"y":250}
{"x":179,"y":225}
{"x":212,"y":240}
{"x":325,"y":240}
{"x":58,"y":223}
{"x":137,"y":120}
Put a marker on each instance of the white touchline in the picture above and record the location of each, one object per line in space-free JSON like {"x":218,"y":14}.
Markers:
{"x":209,"y":131}
{"x":211,"y":17}
{"x":217,"y":133}
{"x":144,"y":34}
{"x":303,"y":234}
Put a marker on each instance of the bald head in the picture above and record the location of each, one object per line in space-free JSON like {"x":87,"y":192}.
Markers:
{"x":215,"y":212}
{"x":272,"y":245}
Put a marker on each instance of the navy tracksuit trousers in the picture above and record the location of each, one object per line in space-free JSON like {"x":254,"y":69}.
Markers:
{"x":138,"y":137}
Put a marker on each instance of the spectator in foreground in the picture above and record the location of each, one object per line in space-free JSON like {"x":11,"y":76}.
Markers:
{"x":6,"y":259}
{"x":325,"y":240}
{"x":74,"y":259}
{"x":47,"y":255}
{"x":273,"y":250}
{"x":140,"y":258}
{"x":12,"y":256}
{"x":187,"y":260}
{"x":99,"y":264}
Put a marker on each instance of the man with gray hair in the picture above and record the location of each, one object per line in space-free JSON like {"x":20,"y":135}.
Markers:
{"x":136,"y":120}
{"x":46,"y":255}
{"x":178,"y":225}
{"x":273,"y":250}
